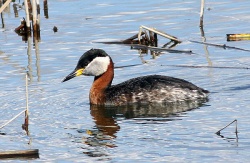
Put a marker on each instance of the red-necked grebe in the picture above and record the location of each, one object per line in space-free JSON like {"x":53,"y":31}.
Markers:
{"x":143,"y":90}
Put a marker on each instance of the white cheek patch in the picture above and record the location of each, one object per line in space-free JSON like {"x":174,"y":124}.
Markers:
{"x":97,"y":66}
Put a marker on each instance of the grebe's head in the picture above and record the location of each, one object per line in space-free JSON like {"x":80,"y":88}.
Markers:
{"x":92,"y":63}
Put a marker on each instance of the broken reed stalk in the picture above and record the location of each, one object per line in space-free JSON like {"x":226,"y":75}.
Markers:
{"x":34,"y":14}
{"x":2,"y":20}
{"x":128,"y":40}
{"x":144,"y":47}
{"x":12,"y":119}
{"x":238,"y":37}
{"x":27,"y":15}
{"x":159,"y":33}
{"x":236,"y":128}
{"x":30,"y":8}
{"x":202,"y":12}
{"x":15,"y":10}
{"x":38,"y":15}
{"x":29,"y":153}
{"x":27,"y":96}
{"x":219,"y":67}
{"x":25,"y":126}
{"x":32,"y":11}
{"x":46,"y":10}
{"x":36,"y":19}
{"x":224,"y":46}
{"x":38,"y":7}
{"x":127,"y":66}
{"x":27,"y":107}
{"x":5,"y":5}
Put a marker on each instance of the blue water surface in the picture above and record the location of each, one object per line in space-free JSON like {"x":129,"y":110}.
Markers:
{"x":63,"y":126}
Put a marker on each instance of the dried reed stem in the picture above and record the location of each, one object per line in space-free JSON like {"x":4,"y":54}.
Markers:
{"x":27,"y":105}
{"x":4,"y":5}
{"x":27,"y":14}
{"x":159,"y":33}
{"x":34,"y":14}
{"x":236,"y":130}
{"x":27,"y":95}
{"x":30,"y":153}
{"x":202,"y":12}
{"x":12,"y":119}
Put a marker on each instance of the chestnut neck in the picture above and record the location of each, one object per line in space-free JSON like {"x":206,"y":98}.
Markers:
{"x":100,"y":84}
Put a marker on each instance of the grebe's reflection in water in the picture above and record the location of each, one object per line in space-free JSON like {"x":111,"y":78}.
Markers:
{"x":107,"y":120}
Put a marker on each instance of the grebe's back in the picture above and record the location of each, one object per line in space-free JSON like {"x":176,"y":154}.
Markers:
{"x":154,"y":89}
